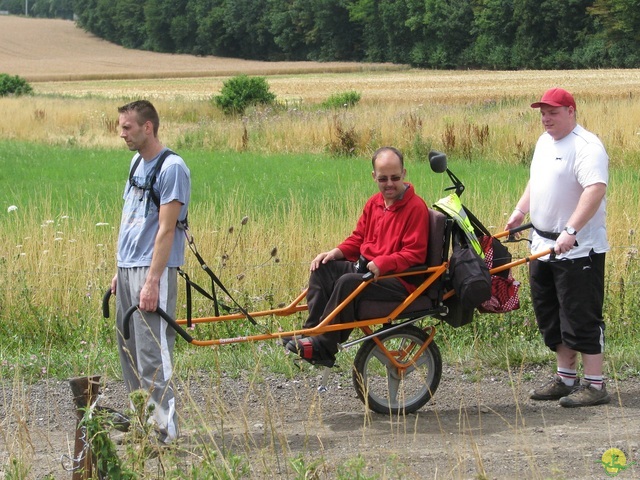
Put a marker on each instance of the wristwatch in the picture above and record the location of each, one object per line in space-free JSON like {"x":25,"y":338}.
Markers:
{"x":570,"y":230}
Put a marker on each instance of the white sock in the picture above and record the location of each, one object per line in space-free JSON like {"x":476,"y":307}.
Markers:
{"x":568,"y":376}
{"x":596,"y":381}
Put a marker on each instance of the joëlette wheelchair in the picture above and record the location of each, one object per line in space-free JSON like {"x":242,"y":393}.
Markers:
{"x":398,"y":365}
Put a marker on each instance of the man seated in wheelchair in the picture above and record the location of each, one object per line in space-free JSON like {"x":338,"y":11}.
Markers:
{"x":390,"y":236}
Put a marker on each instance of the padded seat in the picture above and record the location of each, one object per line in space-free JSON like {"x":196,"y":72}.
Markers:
{"x":435,"y":257}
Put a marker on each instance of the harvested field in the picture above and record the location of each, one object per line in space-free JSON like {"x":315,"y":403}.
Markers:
{"x":51,"y":49}
{"x":63,"y":59}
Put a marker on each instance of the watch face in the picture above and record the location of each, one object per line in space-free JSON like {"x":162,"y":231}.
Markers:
{"x":570,"y":230}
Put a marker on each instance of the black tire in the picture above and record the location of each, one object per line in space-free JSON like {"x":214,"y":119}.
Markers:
{"x":385,"y":389}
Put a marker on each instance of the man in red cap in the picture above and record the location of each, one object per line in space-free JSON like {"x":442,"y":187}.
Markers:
{"x":565,"y":199}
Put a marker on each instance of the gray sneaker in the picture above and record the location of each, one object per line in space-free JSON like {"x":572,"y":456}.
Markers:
{"x":554,"y":389}
{"x":585,"y":396}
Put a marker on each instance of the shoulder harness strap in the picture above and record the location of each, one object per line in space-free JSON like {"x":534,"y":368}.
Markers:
{"x":154,"y":174}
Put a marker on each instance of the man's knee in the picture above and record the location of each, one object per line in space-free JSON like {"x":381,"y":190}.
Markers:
{"x":331,"y":271}
{"x":348,"y":282}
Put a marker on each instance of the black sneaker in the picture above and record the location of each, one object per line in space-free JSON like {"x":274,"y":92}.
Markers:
{"x":554,"y":389}
{"x":584,"y":395}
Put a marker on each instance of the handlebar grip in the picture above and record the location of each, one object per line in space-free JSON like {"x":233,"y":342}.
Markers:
{"x":105,"y":303}
{"x":525,"y":226}
{"x":127,"y":320}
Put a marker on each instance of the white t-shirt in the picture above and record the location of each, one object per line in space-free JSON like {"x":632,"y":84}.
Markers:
{"x":560,"y":171}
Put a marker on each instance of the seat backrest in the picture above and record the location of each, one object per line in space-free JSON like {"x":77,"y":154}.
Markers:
{"x":433,"y":294}
{"x":436,"y":241}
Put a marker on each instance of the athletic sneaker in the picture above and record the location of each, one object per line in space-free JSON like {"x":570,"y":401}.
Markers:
{"x":310,"y":351}
{"x":554,"y":389}
{"x":585,"y":396}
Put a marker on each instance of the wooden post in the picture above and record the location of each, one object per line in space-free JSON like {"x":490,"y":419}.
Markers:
{"x":85,"y":391}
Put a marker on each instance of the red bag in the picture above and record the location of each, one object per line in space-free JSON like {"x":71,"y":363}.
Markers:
{"x":504,"y":288}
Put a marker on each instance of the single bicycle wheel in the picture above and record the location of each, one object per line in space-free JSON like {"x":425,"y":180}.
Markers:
{"x":384,"y":387}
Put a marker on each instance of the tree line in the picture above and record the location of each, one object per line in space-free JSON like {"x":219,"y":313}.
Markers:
{"x":444,"y":34}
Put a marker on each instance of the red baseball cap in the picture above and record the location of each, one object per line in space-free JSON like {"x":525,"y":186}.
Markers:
{"x":556,"y":97}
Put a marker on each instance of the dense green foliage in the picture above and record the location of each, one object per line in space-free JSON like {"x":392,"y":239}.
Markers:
{"x":13,"y":85}
{"x":241,"y":92}
{"x":494,"y":34}
{"x":342,"y":100}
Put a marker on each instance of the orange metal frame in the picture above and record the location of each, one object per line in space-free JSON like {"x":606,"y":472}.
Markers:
{"x":433,"y":274}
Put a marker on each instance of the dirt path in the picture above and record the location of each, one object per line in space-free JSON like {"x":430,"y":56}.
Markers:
{"x":471,"y":428}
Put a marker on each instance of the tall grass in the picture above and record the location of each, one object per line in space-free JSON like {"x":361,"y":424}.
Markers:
{"x":470,"y":115}
{"x":57,"y":249}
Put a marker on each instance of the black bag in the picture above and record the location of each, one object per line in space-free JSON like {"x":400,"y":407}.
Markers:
{"x":470,"y":277}
{"x":457,"y":314}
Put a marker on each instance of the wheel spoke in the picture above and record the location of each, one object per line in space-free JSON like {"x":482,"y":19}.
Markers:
{"x":416,"y":362}
{"x":383,"y":386}
{"x":393,"y":385}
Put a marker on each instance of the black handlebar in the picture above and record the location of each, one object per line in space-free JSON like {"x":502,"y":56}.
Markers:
{"x":525,"y":226}
{"x":127,"y":320}
{"x":105,"y":303}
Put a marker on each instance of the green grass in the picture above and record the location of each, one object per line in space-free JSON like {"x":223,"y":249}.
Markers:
{"x":56,"y":261}
{"x":71,"y":177}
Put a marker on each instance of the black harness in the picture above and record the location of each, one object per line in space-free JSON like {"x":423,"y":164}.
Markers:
{"x":184,"y":226}
{"x":148,"y":186}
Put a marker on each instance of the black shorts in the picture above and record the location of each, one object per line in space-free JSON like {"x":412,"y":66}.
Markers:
{"x":567,"y":298}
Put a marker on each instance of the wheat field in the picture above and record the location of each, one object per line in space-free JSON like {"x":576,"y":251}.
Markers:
{"x":79,"y":80}
{"x":63,"y":59}
{"x":41,"y":49}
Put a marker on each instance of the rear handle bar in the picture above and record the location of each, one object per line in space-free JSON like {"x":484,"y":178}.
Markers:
{"x":127,"y":318}
{"x":105,"y":303}
{"x":522,"y":227}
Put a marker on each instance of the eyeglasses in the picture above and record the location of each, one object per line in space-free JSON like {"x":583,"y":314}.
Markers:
{"x":393,"y":178}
